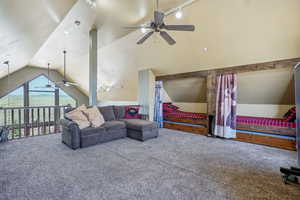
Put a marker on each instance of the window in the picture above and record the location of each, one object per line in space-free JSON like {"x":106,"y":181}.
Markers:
{"x":13,"y":99}
{"x":65,"y":99}
{"x":39,"y":95}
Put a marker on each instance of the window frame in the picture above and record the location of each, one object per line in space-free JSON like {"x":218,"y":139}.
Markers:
{"x":27,"y":91}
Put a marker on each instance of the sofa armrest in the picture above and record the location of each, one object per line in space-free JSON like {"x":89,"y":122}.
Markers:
{"x":70,"y":133}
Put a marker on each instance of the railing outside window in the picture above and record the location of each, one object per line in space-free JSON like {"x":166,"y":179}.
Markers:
{"x":31,"y":121}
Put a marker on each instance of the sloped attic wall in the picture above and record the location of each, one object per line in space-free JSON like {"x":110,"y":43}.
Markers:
{"x":235,"y":32}
{"x":189,"y":94}
{"x":268,"y":93}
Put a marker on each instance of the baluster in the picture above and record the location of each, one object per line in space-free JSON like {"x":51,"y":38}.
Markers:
{"x":38,"y":120}
{"x":12,"y":123}
{"x":44,"y":121}
{"x":55,"y":119}
{"x":5,"y":115}
{"x":32,"y":122}
{"x":20,"y":122}
{"x":49,"y":119}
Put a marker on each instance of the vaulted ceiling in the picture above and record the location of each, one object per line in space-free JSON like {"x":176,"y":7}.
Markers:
{"x":33,"y":32}
{"x":232,"y":32}
{"x":25,"y":26}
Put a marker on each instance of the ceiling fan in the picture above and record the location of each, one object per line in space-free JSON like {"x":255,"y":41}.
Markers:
{"x":159,"y":26}
{"x":64,"y":81}
{"x":48,"y":85}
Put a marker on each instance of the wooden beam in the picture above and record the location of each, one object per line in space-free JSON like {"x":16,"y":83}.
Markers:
{"x":235,"y":69}
{"x":182,"y":75}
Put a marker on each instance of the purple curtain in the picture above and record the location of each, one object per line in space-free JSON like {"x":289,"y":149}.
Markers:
{"x":226,"y":102}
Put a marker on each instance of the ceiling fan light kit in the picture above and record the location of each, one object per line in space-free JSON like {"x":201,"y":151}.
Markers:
{"x":158,"y":26}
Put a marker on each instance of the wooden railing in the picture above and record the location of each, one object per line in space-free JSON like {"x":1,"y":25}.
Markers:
{"x":31,"y":121}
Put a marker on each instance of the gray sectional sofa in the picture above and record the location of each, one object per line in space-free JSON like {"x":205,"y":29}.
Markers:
{"x":115,"y":127}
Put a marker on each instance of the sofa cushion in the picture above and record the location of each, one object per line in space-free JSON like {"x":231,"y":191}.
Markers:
{"x":92,"y":131}
{"x":108,"y":113}
{"x":114,"y":125}
{"x":119,"y":112}
{"x":139,"y":124}
{"x":94,"y":116}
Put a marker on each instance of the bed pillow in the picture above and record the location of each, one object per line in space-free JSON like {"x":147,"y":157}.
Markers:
{"x":166,"y":108}
{"x":290,"y":116}
{"x":132,"y":112}
{"x":169,"y":107}
{"x":79,"y":117}
{"x":94,"y":116}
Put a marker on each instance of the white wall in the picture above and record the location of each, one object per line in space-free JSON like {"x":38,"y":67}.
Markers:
{"x":262,"y":110}
{"x":117,"y":103}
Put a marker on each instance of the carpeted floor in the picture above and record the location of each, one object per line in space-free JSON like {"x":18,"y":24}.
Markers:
{"x":174,"y":166}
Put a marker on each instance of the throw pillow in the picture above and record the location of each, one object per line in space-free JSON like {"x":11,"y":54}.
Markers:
{"x":169,"y":107}
{"x":290,"y":116}
{"x":94,"y":116}
{"x":132,"y":112}
{"x":78,"y":117}
{"x":166,"y":108}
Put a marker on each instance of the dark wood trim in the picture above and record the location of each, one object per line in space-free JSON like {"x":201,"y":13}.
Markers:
{"x":188,"y":120}
{"x":235,"y":69}
{"x":186,"y":128}
{"x":267,"y":140}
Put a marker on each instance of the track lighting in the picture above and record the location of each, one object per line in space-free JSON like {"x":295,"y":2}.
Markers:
{"x":178,"y":14}
{"x":143,"y":30}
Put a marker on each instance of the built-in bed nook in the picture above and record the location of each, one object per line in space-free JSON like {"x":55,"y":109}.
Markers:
{"x":265,"y":103}
{"x":264,"y":97}
{"x":184,"y":109}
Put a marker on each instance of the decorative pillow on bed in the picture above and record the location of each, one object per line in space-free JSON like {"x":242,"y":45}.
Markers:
{"x":132,"y":112}
{"x":169,"y":107}
{"x":166,"y":108}
{"x":290,"y":116}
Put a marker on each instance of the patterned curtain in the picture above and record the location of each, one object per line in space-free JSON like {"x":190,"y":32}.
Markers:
{"x":158,"y":111}
{"x":226,"y":106}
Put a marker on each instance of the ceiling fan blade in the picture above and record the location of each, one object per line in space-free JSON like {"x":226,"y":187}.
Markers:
{"x":167,"y":37}
{"x":158,"y":17}
{"x":141,"y":41}
{"x":70,"y":83}
{"x":180,"y":27}
{"x":135,"y":27}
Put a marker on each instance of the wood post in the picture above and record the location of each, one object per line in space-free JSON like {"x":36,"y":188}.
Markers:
{"x":211,"y":83}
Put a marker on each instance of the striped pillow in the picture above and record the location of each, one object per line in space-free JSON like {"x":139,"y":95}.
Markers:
{"x":290,"y":116}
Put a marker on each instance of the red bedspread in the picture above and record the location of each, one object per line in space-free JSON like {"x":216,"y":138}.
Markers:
{"x":181,"y":114}
{"x":263,"y":121}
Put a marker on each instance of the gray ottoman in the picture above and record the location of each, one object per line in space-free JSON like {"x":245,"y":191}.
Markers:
{"x":141,"y":129}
